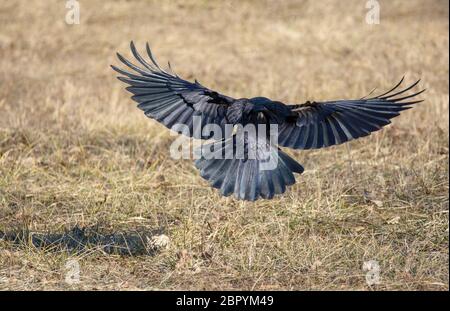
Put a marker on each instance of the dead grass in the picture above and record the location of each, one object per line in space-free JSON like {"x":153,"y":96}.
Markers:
{"x":74,"y":150}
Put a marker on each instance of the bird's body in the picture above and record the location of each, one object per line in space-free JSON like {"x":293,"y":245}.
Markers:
{"x":257,"y":110}
{"x":173,"y":101}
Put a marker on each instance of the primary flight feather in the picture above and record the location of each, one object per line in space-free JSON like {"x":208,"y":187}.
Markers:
{"x":171,"y":100}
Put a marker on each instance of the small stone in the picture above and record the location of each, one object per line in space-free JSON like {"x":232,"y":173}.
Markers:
{"x":159,"y":242}
{"x":394,"y":220}
{"x":378,"y":203}
{"x":316,"y":264}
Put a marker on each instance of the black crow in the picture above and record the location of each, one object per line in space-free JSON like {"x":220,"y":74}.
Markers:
{"x":249,"y":164}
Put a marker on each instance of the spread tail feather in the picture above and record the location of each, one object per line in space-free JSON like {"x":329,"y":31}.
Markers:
{"x":248,"y":178}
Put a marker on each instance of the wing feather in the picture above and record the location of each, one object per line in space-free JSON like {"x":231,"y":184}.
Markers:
{"x":169,"y":99}
{"x":323,"y":124}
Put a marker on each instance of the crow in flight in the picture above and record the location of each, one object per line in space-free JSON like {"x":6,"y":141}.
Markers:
{"x":171,"y":100}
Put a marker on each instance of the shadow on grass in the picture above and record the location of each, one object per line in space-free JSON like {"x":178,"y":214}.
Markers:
{"x":80,"y":240}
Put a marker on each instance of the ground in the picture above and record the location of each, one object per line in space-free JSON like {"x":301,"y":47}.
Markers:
{"x":76,"y":152}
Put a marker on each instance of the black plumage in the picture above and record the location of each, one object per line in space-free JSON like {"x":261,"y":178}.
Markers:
{"x":169,"y":99}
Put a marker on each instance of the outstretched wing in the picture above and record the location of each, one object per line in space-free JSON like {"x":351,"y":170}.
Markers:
{"x":171,"y":100}
{"x":322,"y":124}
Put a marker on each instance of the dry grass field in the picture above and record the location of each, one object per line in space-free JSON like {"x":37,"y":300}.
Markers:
{"x":75,"y":151}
